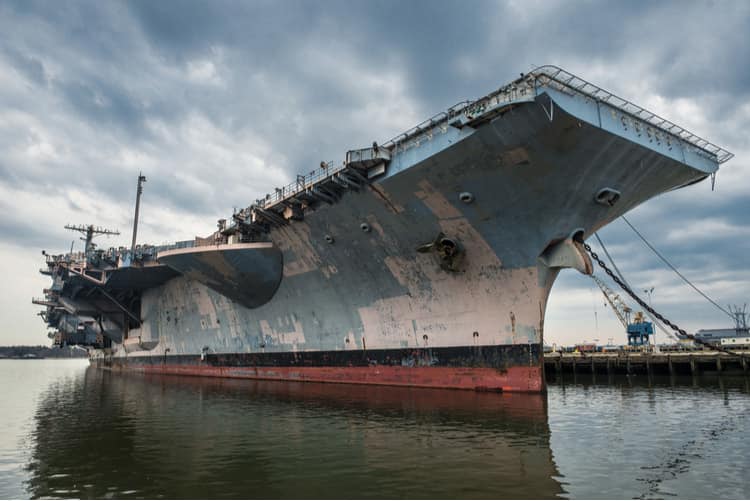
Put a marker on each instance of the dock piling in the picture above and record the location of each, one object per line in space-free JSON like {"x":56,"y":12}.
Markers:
{"x":648,"y":363}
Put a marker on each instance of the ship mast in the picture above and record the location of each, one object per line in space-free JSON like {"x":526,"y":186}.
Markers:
{"x":141,"y":180}
{"x":90,"y":231}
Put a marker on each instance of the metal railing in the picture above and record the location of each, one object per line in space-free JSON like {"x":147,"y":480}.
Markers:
{"x":99,"y":258}
{"x":425,"y":126}
{"x":69,"y":257}
{"x":182,"y":244}
{"x":529,"y":84}
{"x":506,"y":94}
{"x":400,"y":142}
{"x":553,"y":76}
{"x":303,"y":182}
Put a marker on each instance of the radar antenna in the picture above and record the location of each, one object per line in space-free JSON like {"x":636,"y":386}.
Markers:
{"x":90,"y":231}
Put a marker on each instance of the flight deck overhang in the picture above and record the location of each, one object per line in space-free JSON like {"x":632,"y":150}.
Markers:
{"x":140,"y":277}
{"x":247,"y":273}
{"x":628,"y":126}
{"x":620,"y":116}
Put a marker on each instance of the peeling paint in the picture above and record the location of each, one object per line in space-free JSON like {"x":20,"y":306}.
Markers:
{"x":436,"y":202}
{"x":294,"y":338}
{"x":300,"y":256}
{"x":378,"y":190}
{"x":374,"y":290}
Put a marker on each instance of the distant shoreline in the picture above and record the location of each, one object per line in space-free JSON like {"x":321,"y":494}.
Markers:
{"x":44,"y":358}
{"x":20,"y":352}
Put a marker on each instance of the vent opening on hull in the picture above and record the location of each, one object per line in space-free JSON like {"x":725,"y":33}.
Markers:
{"x":607,"y":196}
{"x":466,"y":197}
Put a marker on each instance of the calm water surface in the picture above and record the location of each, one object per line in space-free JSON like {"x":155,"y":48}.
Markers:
{"x":69,"y":431}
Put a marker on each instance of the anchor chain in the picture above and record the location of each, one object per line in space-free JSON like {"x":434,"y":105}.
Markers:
{"x":682,"y":333}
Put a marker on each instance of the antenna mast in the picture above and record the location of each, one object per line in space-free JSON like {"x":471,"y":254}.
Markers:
{"x":90,"y":231}
{"x":141,"y":180}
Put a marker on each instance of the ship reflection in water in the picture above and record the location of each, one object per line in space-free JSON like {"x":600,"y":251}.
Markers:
{"x":161,"y":436}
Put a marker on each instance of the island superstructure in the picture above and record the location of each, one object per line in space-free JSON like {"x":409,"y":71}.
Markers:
{"x":424,"y":261}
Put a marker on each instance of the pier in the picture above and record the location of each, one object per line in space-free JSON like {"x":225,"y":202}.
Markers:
{"x":692,"y":363}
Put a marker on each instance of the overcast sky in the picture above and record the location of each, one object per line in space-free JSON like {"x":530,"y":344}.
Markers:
{"x":219,"y":102}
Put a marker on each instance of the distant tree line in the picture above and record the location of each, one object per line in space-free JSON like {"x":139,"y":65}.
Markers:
{"x":41,"y":352}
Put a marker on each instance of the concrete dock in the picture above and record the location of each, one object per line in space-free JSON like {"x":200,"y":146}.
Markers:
{"x":694,"y":362}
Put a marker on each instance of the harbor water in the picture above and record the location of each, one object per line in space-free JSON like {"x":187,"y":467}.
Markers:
{"x":70,"y":431}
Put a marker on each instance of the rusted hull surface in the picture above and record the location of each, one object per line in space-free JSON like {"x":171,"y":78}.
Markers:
{"x":514,"y":368}
{"x":514,"y":379}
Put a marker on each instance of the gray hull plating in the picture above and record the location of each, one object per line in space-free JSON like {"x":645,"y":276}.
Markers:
{"x":247,"y":274}
{"x":354,"y":280}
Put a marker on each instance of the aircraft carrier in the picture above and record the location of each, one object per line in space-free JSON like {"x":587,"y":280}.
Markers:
{"x":424,"y":261}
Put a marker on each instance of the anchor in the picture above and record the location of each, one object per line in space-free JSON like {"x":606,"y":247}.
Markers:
{"x":450,"y":252}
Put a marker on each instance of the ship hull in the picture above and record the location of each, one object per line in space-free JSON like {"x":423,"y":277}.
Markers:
{"x":357,"y":296}
{"x":361,"y":293}
{"x":509,"y":368}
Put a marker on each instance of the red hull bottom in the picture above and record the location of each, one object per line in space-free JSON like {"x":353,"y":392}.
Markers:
{"x":513,"y":379}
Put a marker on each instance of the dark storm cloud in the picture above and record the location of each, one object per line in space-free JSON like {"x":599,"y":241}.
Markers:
{"x":123,"y":64}
{"x":700,"y":249}
{"x":105,"y":105}
{"x":16,"y":230}
{"x":30,"y":66}
{"x":180,"y":31}
{"x":429,"y":37}
{"x":436,"y":37}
